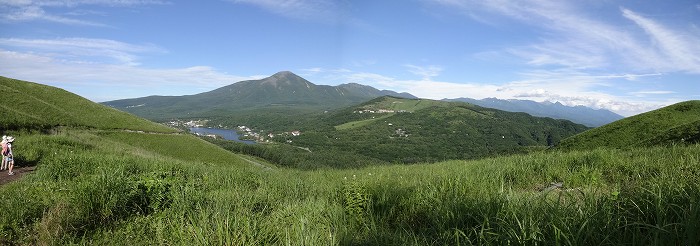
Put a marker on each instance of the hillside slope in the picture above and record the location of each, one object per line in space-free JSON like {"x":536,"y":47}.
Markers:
{"x":283,"y":93}
{"x":420,"y":130}
{"x":28,"y":105}
{"x":678,"y":123}
{"x":579,"y":114}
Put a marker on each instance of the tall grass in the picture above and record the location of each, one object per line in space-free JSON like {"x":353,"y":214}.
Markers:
{"x":130,"y":188}
{"x":37,"y":106}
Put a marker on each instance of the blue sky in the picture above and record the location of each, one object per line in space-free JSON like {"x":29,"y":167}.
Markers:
{"x":627,"y":56}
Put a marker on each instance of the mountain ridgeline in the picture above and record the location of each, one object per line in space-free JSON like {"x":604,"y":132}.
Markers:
{"x":579,"y":114}
{"x":32,"y":106}
{"x":279,"y":95}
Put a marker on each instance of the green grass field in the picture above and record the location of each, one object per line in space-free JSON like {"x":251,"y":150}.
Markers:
{"x":664,"y":126}
{"x":115,"y":188}
{"x":28,"y":105}
{"x":104,"y":177}
{"x":388,"y":103}
{"x":398,"y":104}
{"x":361,"y":123}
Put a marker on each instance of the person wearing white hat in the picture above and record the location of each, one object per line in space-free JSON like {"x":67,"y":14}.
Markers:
{"x":4,"y":148}
{"x":10,"y":160}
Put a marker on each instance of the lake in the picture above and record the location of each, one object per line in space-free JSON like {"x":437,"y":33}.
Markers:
{"x":225,"y":133}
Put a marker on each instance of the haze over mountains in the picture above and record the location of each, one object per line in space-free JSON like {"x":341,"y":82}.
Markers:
{"x":579,"y":114}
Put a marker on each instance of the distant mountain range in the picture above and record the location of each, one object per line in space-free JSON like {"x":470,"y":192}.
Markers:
{"x":282,"y":93}
{"x":579,"y":114}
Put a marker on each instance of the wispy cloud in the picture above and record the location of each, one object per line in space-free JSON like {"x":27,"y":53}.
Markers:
{"x":426,"y":72}
{"x":73,"y":3}
{"x":570,"y":88}
{"x":648,"y":93}
{"x":35,"y":10}
{"x":576,"y":40}
{"x":303,"y":9}
{"x":83,"y":49}
{"x":678,"y":50}
{"x":102,"y":82}
{"x":326,"y":12}
{"x":31,"y":13}
{"x":577,"y":55}
{"x":622,"y":106}
{"x":103,"y":69}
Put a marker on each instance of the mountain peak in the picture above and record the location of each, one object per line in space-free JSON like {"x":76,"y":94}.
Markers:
{"x":284,"y":74}
{"x":285,"y":77}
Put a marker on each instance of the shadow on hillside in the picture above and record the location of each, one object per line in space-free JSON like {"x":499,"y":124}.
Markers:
{"x":20,"y":161}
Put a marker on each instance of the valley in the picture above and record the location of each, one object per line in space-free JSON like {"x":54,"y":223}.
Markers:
{"x":385,"y":171}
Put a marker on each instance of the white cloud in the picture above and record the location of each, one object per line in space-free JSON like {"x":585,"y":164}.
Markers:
{"x":570,"y":88}
{"x":73,"y":3}
{"x":101,"y":82}
{"x":577,"y":55}
{"x":426,"y":72}
{"x":618,"y":105}
{"x":679,"y":49}
{"x":30,"y":13}
{"x":326,"y":10}
{"x":576,"y":40}
{"x":83,"y":49}
{"x":650,"y":93}
{"x":32,"y":10}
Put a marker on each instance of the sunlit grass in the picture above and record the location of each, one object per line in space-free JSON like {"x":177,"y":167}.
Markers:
{"x":361,"y":123}
{"x":111,"y":188}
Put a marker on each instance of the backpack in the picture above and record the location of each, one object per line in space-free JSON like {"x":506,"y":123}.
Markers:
{"x":5,"y":149}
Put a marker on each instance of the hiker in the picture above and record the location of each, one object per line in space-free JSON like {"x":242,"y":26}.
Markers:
{"x":4,"y":149}
{"x":7,"y":152}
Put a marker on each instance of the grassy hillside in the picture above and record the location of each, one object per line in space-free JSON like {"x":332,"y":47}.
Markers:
{"x":116,"y":188}
{"x":398,"y":130}
{"x":100,"y":186}
{"x":675,"y":124}
{"x":27,"y":105}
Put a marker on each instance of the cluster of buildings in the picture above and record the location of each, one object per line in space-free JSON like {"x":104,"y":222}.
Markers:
{"x":191,"y":123}
{"x":247,"y":132}
{"x":401,"y":133}
{"x":378,"y":111}
{"x":207,"y":135}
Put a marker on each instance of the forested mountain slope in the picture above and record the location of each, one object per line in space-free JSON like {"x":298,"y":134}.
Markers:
{"x":279,"y":95}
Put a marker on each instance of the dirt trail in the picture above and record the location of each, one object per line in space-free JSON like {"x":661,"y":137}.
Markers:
{"x":256,"y":163}
{"x":19,"y":172}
